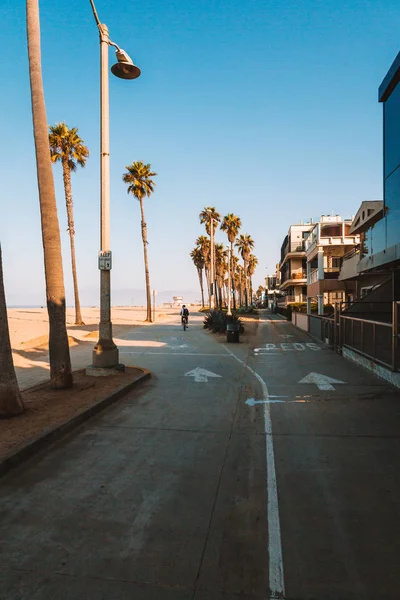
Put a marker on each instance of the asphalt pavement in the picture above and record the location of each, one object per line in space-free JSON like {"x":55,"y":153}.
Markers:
{"x":259,"y":470}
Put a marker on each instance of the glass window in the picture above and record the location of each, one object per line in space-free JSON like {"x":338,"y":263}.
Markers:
{"x":392,"y":131}
{"x":392,"y":204}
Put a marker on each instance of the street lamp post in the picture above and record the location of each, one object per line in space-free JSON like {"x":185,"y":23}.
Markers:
{"x":105,"y":352}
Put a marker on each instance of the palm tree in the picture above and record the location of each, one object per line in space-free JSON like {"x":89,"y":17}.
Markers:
{"x":231,"y":224}
{"x":198,"y":260}
{"x":67,"y":147}
{"x":203,"y":244}
{"x":245,"y":245}
{"x":251,"y":267}
{"x":210,"y":218}
{"x":60,"y":362}
{"x":139,"y":178}
{"x":10,"y":396}
{"x":220,"y":269}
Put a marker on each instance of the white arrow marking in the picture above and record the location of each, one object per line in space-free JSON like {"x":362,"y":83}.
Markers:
{"x":201,"y":375}
{"x":286,"y":335}
{"x":323,"y":382}
{"x":271,"y":400}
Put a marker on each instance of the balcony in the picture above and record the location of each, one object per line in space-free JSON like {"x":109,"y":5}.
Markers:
{"x":350,"y":262}
{"x":314,"y":241}
{"x":329,"y":273}
{"x":292,"y":250}
{"x":299,"y":278}
{"x":291,"y":298}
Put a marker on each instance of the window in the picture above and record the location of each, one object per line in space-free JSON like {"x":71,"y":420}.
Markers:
{"x":336,"y":261}
{"x":337,"y":295}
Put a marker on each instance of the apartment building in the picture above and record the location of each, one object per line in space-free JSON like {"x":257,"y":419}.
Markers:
{"x":292,"y":266}
{"x":327,"y":243}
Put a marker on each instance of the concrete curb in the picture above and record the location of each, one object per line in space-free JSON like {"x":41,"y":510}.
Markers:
{"x":26,"y":451}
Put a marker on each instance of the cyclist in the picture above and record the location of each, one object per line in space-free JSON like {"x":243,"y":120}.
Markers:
{"x":184,"y":314}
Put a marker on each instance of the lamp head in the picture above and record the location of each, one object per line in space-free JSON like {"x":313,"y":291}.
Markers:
{"x":124,"y":68}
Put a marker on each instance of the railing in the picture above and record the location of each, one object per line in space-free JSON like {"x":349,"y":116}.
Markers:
{"x":293,"y":276}
{"x":292,"y":247}
{"x":375,"y":340}
{"x":312,"y":277}
{"x":323,"y":328}
{"x":353,"y":252}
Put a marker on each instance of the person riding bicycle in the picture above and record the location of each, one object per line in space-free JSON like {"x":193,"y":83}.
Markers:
{"x":184,"y":314}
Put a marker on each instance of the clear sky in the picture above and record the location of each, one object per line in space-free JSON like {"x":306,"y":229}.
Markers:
{"x":264,"y":108}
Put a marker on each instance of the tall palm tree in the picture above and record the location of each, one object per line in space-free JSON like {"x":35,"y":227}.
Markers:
{"x":203,"y":244}
{"x":10,"y":396}
{"x":67,"y":147}
{"x":220,"y":269}
{"x":231,"y":224}
{"x":139,"y":177}
{"x":198,"y":260}
{"x":60,"y":362}
{"x":210,"y":218}
{"x":251,"y":268}
{"x":245,"y":245}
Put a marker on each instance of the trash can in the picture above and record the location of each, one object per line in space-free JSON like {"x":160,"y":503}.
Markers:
{"x":232,"y":332}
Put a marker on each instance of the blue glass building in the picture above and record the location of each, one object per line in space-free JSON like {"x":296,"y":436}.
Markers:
{"x":382,"y":243}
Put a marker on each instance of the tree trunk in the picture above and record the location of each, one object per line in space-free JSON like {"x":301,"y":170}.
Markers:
{"x":60,"y":362}
{"x":146,"y":262}
{"x":251,"y":290}
{"x":200,"y":274}
{"x":246,"y":302}
{"x":232,"y":279}
{"x":10,"y":396}
{"x":71,"y":231}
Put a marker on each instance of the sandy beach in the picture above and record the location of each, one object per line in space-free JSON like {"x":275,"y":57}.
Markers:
{"x":29,"y":336}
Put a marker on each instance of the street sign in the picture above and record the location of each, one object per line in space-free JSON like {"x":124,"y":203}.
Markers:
{"x":105,"y":261}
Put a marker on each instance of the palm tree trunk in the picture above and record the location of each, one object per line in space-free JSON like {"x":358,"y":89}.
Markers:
{"x":251,"y":290}
{"x":208,"y":286}
{"x":71,"y":231}
{"x":60,"y":362}
{"x":10,"y":396}
{"x":200,"y":274}
{"x":246,"y":301}
{"x":146,"y":262}
{"x":232,"y":279}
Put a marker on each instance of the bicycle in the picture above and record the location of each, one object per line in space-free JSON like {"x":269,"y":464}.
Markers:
{"x":184,"y":323}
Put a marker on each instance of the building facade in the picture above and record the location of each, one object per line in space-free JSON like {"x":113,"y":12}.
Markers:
{"x":327,"y":243}
{"x":292,"y":266}
{"x":381,"y":251}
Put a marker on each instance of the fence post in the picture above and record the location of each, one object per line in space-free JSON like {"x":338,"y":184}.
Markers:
{"x":395,"y":339}
{"x":362,"y":336}
{"x":335,"y":326}
{"x":373,"y":339}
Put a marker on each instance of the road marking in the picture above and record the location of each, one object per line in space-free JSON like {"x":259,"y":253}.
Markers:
{"x":323,"y":382}
{"x":271,"y":400}
{"x":286,"y":335}
{"x":201,"y":375}
{"x":172,"y":353}
{"x":276,"y":577}
{"x":288,"y":347}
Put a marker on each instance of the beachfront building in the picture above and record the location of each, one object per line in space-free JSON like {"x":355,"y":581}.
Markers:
{"x":292,"y":266}
{"x":327,"y":243}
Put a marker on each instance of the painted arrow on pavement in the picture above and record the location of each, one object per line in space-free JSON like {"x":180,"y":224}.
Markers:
{"x":201,"y":375}
{"x":269,"y":400}
{"x":323,"y":382}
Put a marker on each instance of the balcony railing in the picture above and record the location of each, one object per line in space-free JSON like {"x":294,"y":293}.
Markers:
{"x":292,"y":247}
{"x":312,"y":277}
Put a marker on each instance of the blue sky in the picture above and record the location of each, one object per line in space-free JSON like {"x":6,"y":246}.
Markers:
{"x":267,"y":109}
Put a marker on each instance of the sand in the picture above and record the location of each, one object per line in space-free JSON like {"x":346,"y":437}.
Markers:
{"x":29,"y":337}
